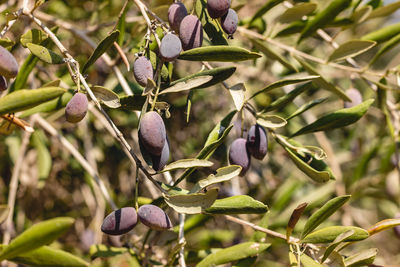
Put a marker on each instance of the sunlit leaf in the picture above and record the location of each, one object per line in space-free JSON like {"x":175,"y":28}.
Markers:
{"x":324,"y":213}
{"x":104,"y":45}
{"x":36,"y":236}
{"x":241,"y":204}
{"x":234,"y":253}
{"x":106,"y":96}
{"x":187,"y":163}
{"x":192,"y":203}
{"x":221,"y":175}
{"x":221,"y":53}
{"x":329,"y":234}
{"x":363,"y":258}
{"x":351,"y":49}
{"x":45,"y":54}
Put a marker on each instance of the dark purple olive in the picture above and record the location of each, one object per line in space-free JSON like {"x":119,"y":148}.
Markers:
{"x":152,"y":133}
{"x":218,"y":8}
{"x":257,"y":142}
{"x":170,"y":47}
{"x":176,"y":13}
{"x":154,"y":217}
{"x":76,"y":108}
{"x":239,"y":155}
{"x":191,"y":32}
{"x":120,"y":221}
{"x":3,"y":83}
{"x":229,"y":22}
{"x":142,"y":70}
{"x":355,"y":96}
{"x":396,"y":229}
{"x":159,"y":162}
{"x":8,"y":64}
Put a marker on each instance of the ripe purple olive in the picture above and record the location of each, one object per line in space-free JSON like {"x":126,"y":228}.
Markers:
{"x":176,"y":13}
{"x":76,"y":108}
{"x":170,"y":47}
{"x":154,"y":217}
{"x":191,"y":32}
{"x":142,"y":70}
{"x":355,"y":96}
{"x":229,"y":22}
{"x":239,"y":155}
{"x":8,"y":64}
{"x":396,"y":229}
{"x":152,"y":133}
{"x":257,"y":142}
{"x":218,"y":8}
{"x":120,"y":221}
{"x":3,"y":83}
{"x":159,"y":162}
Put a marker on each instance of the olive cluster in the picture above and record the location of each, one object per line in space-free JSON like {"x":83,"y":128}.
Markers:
{"x":221,"y":9}
{"x":256,"y":145}
{"x":125,"y":219}
{"x":8,"y":67}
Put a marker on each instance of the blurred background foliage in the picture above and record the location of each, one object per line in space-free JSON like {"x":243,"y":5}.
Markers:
{"x":365,"y":151}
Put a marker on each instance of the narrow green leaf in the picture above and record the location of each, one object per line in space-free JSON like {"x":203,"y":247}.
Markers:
{"x":351,"y":49}
{"x":49,"y":106}
{"x":241,"y":204}
{"x":187,"y":163}
{"x":281,"y":83}
{"x":45,"y":54}
{"x":385,"y":10}
{"x":339,"y":239}
{"x":289,"y":97}
{"x":383,"y":225}
{"x":383,"y":34}
{"x":292,"y":28}
{"x":55,"y":83}
{"x":106,"y":96}
{"x":271,"y":54}
{"x":364,"y":258}
{"x":49,"y":257}
{"x":33,"y":36}
{"x":361,"y":14}
{"x":36,"y":236}
{"x":324,"y":17}
{"x":386,"y":48}
{"x":218,"y":75}
{"x":322,"y":82}
{"x":233,"y":253}
{"x":210,"y":26}
{"x":121,"y":25}
{"x":306,"y":107}
{"x":24,"y":99}
{"x":315,"y":169}
{"x":265,"y":8}
{"x":192,"y":203}
{"x":4,"y":210}
{"x":271,"y":121}
{"x":221,"y":175}
{"x":324,"y":213}
{"x":337,"y":119}
{"x":329,"y":234}
{"x":188,"y":84}
{"x":238,"y":95}
{"x":104,"y":251}
{"x":223,"y":53}
{"x":297,"y":12}
{"x":43,"y":157}
{"x":306,"y":261}
{"x":104,"y":45}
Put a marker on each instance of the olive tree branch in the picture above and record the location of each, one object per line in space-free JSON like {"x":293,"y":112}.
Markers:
{"x":70,"y":60}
